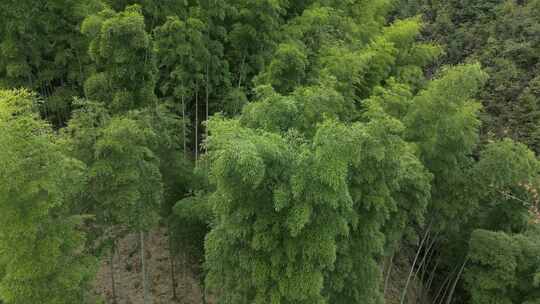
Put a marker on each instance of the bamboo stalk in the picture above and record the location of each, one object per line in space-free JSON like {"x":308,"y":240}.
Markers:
{"x":404,"y":293}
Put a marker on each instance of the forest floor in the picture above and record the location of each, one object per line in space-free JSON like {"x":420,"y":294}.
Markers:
{"x":397,"y":280}
{"x":128,"y":278}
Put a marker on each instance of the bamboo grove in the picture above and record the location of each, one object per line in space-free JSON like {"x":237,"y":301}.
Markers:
{"x":293,"y":148}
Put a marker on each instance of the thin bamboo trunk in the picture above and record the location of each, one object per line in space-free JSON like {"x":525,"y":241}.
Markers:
{"x":203,"y":289}
{"x":184,"y":124}
{"x":173,"y":278}
{"x":422,"y":267}
{"x":146,"y":297}
{"x":404,"y":293}
{"x":207,"y":97}
{"x":426,"y":254}
{"x":113,"y":281}
{"x":196,"y":126}
{"x":241,"y":71}
{"x":387,"y":279}
{"x":449,"y":299}
{"x":173,"y":268}
{"x":432,"y":274}
{"x":209,"y":22}
{"x":445,"y":292}
{"x":443,"y":286}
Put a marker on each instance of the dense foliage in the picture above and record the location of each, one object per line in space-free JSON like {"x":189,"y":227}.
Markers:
{"x":40,"y":243}
{"x":505,"y":37}
{"x":292,"y":148}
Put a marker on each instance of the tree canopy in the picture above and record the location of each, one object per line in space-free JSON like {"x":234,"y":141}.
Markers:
{"x":291,"y":148}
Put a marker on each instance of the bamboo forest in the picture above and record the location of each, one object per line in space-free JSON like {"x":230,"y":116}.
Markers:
{"x":269,"y":151}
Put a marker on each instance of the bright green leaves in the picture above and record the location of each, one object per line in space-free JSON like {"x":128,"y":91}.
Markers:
{"x":342,"y":148}
{"x":369,"y":16}
{"x":506,"y":164}
{"x":290,"y":201}
{"x":125,"y":183}
{"x":317,"y":27}
{"x":287,"y":68}
{"x":501,"y":267}
{"x":394,"y":99}
{"x":123,"y":53}
{"x":190,"y":224}
{"x":181,"y":50}
{"x":504,"y":37}
{"x":389,"y":189}
{"x":402,"y":192}
{"x":311,"y":185}
{"x":506,"y":181}
{"x":443,"y":122}
{"x":41,"y":46}
{"x":239,"y":160}
{"x":392,"y":52}
{"x":308,"y":221}
{"x":395,"y":53}
{"x":253,"y":35}
{"x":41,"y":247}
{"x":323,"y":43}
{"x":126,"y":173}
{"x":43,"y":50}
{"x":302,"y":110}
{"x":336,"y":147}
{"x":443,"y":117}
{"x":273,"y":113}
{"x":321,"y":102}
{"x":412,"y":56}
{"x":494,"y":261}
